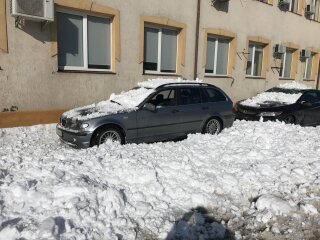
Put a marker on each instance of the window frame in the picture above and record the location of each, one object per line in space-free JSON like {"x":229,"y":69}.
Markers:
{"x":85,"y":67}
{"x":283,"y":62}
{"x":159,"y":28}
{"x":3,"y":27}
{"x":253,"y":58}
{"x":315,"y":53}
{"x":307,"y":62}
{"x":265,"y":43}
{"x":216,"y":54}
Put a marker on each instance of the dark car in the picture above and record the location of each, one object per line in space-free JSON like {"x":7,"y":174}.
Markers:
{"x":295,"y":106}
{"x":149,"y":114}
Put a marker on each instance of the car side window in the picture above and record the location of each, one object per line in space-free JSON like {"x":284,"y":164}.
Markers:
{"x":189,"y":96}
{"x":164,"y":98}
{"x":311,"y":97}
{"x":214,"y":95}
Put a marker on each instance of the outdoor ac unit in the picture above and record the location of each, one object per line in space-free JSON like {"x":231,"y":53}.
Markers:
{"x":284,"y":3}
{"x":37,"y":10}
{"x":279,"y":49}
{"x":309,"y":10}
{"x":305,"y":53}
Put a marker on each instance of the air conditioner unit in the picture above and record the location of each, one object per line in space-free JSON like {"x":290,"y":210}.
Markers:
{"x":279,"y":49}
{"x":305,"y":53}
{"x":37,"y":10}
{"x":309,"y":10}
{"x":284,"y":3}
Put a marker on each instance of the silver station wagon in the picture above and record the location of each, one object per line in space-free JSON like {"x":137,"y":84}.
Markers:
{"x":156,"y":110}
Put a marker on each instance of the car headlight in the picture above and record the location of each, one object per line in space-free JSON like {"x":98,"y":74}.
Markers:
{"x":84,"y":125}
{"x":269,"y":114}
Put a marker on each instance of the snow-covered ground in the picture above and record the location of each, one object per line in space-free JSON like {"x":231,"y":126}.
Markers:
{"x":253,"y":181}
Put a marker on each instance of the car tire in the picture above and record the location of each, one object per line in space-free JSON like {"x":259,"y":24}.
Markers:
{"x":108,"y":133}
{"x":290,"y":119}
{"x":213,"y":126}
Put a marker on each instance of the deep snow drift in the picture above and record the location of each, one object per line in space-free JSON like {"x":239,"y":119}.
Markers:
{"x":254,"y":180}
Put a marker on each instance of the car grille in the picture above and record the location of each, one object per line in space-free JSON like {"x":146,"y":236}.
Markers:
{"x":249,"y":112}
{"x":69,"y":123}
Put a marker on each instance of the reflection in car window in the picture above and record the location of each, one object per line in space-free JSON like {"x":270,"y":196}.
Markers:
{"x":164,"y":98}
{"x":311,"y":97}
{"x":214,"y":95}
{"x":189,"y":96}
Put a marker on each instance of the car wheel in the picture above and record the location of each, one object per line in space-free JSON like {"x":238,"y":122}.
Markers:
{"x":289,"y":119}
{"x":213,"y":126}
{"x":109,"y":133}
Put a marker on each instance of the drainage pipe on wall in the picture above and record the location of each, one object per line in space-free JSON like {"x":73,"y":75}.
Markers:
{"x":195,"y":73}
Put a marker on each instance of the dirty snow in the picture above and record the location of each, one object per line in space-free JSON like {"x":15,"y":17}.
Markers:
{"x":246,"y":183}
{"x":280,"y":97}
{"x":124,"y":102}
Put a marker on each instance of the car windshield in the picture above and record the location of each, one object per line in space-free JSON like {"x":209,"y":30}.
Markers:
{"x":286,"y":91}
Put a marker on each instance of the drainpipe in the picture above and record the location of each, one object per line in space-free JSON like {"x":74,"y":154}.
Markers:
{"x":196,"y":47}
{"x":318,"y":79}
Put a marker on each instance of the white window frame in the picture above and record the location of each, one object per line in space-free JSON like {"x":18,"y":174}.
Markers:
{"x":216,"y":56}
{"x":284,"y":64}
{"x":290,"y":6}
{"x":85,"y":42}
{"x":306,"y":67}
{"x":253,"y":58}
{"x":158,"y":71}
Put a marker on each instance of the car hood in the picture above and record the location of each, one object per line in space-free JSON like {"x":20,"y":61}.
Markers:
{"x":94,"y":111}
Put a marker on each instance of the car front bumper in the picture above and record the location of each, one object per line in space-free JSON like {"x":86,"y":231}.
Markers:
{"x":73,"y":138}
{"x":247,"y":117}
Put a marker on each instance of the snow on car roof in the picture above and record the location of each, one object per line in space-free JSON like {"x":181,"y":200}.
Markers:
{"x":155,"y":83}
{"x":272,"y":96}
{"x":126,"y":101}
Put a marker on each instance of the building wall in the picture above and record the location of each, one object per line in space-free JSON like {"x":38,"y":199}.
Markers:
{"x":253,"y":18}
{"x":30,"y":79}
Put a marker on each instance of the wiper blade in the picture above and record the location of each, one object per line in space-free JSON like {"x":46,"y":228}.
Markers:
{"x":116,"y":102}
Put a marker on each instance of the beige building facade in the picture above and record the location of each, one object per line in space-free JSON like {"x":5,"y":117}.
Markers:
{"x":41,"y":68}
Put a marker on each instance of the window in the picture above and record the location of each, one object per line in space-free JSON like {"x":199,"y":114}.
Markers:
{"x":308,"y":67}
{"x":255,"y":58}
{"x":311,"y":97}
{"x":293,"y":6}
{"x":214,"y":95}
{"x":84,"y":41}
{"x":189,"y":96}
{"x":316,"y":15}
{"x":286,"y":63}
{"x":164,"y":98}
{"x":217,"y":55}
{"x":160,"y":50}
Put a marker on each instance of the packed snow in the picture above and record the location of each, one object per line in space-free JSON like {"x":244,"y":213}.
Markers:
{"x":124,"y":102}
{"x":280,"y":97}
{"x":245,"y":183}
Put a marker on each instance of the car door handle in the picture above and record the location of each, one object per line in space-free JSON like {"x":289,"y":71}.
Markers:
{"x":205,"y":108}
{"x":175,"y":111}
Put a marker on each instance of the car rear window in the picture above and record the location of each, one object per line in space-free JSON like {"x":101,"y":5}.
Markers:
{"x":214,"y":95}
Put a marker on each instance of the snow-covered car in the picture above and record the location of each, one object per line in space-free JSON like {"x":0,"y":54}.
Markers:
{"x":156,"y":110}
{"x":292,"y":103}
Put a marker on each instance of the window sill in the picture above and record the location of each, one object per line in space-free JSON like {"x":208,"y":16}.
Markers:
{"x":256,"y":77}
{"x":286,"y":79}
{"x":161,"y":74}
{"x":216,"y":76}
{"x":85,"y":71}
{"x":270,"y":4}
{"x":309,"y":80}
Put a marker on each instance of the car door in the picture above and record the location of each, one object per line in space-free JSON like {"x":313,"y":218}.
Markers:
{"x":192,"y":110}
{"x":310,"y":105}
{"x":163,"y":122}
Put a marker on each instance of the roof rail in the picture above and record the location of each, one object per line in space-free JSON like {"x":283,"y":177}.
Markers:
{"x":182,"y":83}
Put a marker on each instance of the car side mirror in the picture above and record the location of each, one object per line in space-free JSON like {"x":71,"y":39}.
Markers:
{"x":305,"y":104}
{"x":149,"y":107}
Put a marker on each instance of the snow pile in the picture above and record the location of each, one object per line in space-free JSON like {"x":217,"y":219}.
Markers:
{"x":280,"y":97}
{"x":123,"y":102}
{"x":294,"y":85}
{"x":251,"y":182}
{"x":265,"y":97}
